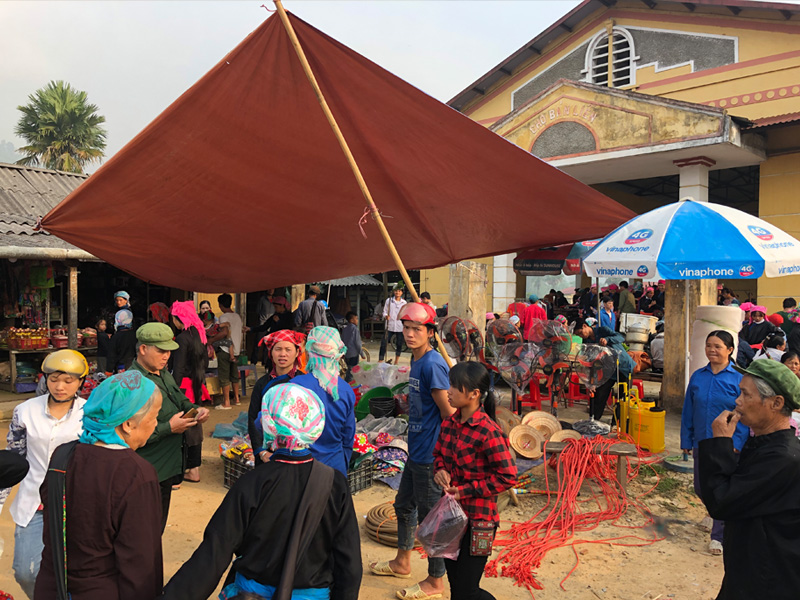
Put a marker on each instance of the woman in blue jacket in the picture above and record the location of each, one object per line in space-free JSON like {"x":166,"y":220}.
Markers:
{"x":712,"y":389}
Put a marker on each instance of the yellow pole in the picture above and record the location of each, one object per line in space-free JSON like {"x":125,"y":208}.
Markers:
{"x":362,"y":184}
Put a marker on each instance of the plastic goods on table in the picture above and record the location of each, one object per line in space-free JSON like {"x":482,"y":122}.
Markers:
{"x":372,"y":375}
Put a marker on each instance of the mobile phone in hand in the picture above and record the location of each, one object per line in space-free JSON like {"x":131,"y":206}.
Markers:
{"x":190,"y":414}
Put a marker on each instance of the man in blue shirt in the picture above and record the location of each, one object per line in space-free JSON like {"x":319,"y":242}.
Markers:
{"x":428,"y":406}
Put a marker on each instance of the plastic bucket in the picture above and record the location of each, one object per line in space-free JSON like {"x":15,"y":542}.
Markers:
{"x":362,"y":408}
{"x":381,"y":407}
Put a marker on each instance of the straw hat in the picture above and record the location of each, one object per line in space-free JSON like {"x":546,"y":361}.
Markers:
{"x":546,"y":423}
{"x":526,"y":441}
{"x":506,"y":419}
{"x":565,"y":434}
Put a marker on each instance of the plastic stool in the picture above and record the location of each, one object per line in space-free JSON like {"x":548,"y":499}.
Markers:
{"x":574,"y":391}
{"x":533,"y":399}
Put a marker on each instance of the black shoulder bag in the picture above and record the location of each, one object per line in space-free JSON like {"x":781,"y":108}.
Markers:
{"x":57,"y":513}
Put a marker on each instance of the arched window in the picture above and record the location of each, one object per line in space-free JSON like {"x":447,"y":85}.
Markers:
{"x":622,"y":59}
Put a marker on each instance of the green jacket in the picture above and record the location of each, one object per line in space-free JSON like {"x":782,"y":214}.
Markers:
{"x":627,"y":301}
{"x":164,"y":449}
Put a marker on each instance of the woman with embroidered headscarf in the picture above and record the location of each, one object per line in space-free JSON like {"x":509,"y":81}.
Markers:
{"x":283,"y":349}
{"x":106,"y":507}
{"x":122,"y":347}
{"x":335,"y":445}
{"x":188,"y":365}
{"x":256,"y":522}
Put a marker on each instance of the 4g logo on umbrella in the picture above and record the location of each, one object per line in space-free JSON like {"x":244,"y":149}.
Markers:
{"x":642,"y":271}
{"x":639,"y":236}
{"x":760,"y":232}
{"x":747,"y":270}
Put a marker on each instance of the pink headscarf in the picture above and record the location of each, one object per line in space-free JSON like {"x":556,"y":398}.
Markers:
{"x":761,"y":309}
{"x":747,"y":306}
{"x":186,"y":314}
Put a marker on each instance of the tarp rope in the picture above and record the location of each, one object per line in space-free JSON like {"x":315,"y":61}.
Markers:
{"x":522,"y":548}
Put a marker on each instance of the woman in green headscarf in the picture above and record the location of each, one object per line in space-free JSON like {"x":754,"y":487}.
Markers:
{"x":112,"y":501}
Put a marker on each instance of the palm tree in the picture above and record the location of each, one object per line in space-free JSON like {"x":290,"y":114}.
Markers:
{"x":62,"y":130}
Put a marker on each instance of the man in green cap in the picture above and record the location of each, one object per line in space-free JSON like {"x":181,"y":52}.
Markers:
{"x":757,"y":494}
{"x":164,"y":449}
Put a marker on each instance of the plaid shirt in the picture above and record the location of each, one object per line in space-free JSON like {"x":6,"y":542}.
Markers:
{"x":476,"y":455}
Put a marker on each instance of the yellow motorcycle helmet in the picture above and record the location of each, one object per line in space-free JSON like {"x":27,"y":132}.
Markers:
{"x":66,"y":361}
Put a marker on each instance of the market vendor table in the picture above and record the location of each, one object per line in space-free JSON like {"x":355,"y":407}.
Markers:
{"x":373,"y":327}
{"x":88,"y":351}
{"x":621,"y":451}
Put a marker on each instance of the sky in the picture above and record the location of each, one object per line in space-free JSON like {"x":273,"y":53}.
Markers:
{"x":135,"y":58}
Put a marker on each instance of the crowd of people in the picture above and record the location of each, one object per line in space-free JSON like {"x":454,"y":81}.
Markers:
{"x":94,"y":497}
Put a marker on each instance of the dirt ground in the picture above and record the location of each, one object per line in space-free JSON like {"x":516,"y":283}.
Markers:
{"x":678,"y":567}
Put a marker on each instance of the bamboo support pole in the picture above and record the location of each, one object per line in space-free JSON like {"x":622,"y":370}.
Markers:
{"x":362,"y":184}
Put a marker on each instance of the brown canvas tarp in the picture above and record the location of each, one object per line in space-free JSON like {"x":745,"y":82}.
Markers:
{"x":241,"y":185}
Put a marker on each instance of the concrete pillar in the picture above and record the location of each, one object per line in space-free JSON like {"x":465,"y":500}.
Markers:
{"x":298,"y":295}
{"x":701,"y":293}
{"x":693,"y":184}
{"x":504,"y":289}
{"x":468,"y":292}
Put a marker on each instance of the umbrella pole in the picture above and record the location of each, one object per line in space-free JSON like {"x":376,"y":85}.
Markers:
{"x":686,"y":333}
{"x":362,"y":184}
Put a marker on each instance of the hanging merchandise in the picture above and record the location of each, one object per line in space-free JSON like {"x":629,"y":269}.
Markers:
{"x":42,"y":277}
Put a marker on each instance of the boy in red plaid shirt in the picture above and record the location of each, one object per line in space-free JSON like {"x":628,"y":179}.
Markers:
{"x":472,"y":462}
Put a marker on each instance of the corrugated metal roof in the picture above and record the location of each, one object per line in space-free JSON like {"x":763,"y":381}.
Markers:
{"x":776,"y":120}
{"x":356,"y":280}
{"x":27,"y":194}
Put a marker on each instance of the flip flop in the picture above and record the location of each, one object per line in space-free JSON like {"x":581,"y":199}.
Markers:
{"x":383,"y":568}
{"x":715,"y":548}
{"x":415,"y":593}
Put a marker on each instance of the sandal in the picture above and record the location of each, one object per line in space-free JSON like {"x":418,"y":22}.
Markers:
{"x":383,"y":568}
{"x":715,"y":548}
{"x":415,"y":593}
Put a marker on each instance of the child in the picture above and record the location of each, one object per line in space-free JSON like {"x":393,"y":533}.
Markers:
{"x":103,"y":339}
{"x":472,"y":462}
{"x":351,"y":338}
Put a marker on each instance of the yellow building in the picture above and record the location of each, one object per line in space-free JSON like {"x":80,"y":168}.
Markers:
{"x":651,"y":102}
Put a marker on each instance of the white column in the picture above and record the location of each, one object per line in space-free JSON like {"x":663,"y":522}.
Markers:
{"x":694,"y":177}
{"x":504,"y":289}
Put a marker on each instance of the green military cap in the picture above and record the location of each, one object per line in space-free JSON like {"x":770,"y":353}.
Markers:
{"x":778,"y":376}
{"x":156,"y":334}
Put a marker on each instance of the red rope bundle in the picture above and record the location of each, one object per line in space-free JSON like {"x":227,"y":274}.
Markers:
{"x":524,"y":546}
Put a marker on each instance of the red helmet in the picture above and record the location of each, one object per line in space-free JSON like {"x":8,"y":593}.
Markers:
{"x":418,"y":312}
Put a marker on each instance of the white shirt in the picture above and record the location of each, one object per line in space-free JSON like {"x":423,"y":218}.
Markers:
{"x":35,"y":434}
{"x":391,"y":309}
{"x":235,"y":322}
{"x":769,"y":353}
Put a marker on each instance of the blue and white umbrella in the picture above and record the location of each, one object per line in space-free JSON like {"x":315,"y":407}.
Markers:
{"x":695,"y":240}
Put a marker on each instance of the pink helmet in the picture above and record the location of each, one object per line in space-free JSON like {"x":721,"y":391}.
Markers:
{"x":418,"y":312}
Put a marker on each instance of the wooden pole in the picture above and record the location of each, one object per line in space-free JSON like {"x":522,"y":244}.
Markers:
{"x":362,"y":184}
{"x":72,"y":322}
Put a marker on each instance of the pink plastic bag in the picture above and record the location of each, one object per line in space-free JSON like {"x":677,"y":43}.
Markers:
{"x":441,"y":531}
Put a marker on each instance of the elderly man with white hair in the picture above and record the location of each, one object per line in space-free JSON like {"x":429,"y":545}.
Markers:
{"x":757,"y":493}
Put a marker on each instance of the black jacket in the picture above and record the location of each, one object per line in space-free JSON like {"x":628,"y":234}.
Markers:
{"x":755,"y":333}
{"x":257,"y":539}
{"x":759,"y":500}
{"x":121,"y":350}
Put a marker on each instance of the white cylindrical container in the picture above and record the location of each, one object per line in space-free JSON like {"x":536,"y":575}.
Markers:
{"x":708,"y":319}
